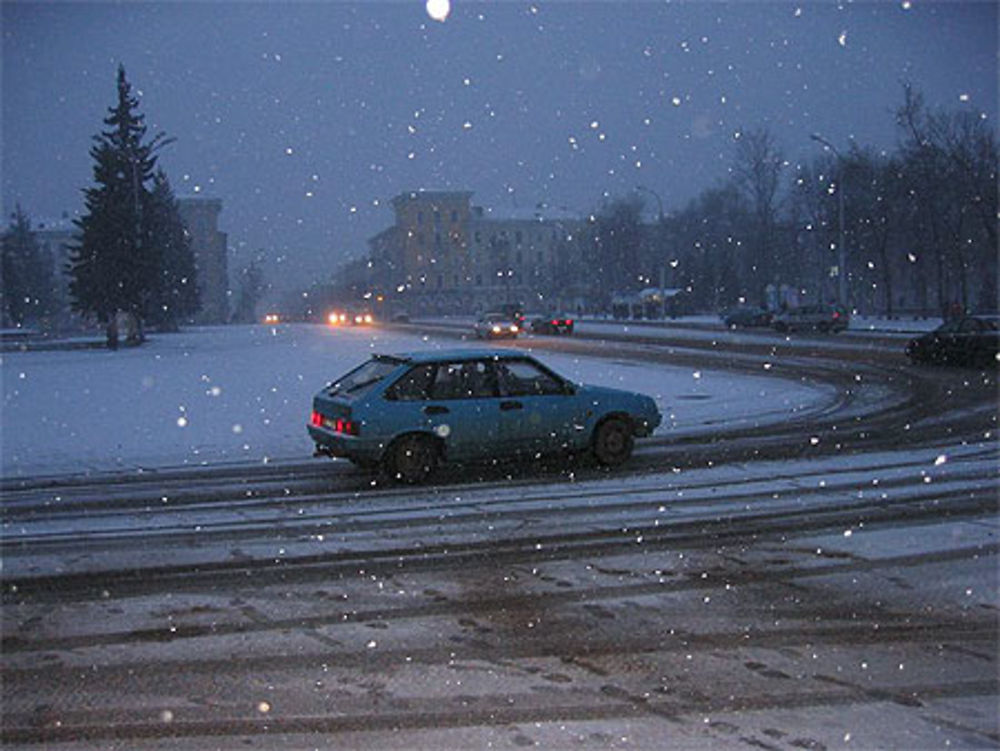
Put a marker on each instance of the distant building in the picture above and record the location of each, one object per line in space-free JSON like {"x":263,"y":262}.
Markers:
{"x":444,"y":255}
{"x":201,"y":217}
{"x":55,"y":240}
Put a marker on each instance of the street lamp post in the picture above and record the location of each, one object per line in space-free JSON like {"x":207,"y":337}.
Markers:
{"x":841,"y":243}
{"x":659,"y":231}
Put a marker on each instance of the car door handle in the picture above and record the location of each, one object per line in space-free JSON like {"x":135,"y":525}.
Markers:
{"x":435,"y":409}
{"x":507,"y":406}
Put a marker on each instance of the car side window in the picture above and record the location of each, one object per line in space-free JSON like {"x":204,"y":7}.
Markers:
{"x":413,"y":385}
{"x":471,"y":379}
{"x":522,"y":378}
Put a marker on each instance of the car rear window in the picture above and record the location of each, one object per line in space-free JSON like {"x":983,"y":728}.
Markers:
{"x":363,"y":377}
{"x":412,"y":385}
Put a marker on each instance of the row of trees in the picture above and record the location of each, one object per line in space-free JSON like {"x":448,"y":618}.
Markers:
{"x":913,"y":229}
{"x":28,"y":289}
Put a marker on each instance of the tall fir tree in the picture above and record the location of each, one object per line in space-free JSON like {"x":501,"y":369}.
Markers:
{"x":26,"y":274}
{"x":175,"y":295}
{"x":113,"y":269}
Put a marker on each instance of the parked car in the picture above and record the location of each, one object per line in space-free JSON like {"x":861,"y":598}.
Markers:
{"x":972,"y":340}
{"x":745,"y":316}
{"x":407,"y":413}
{"x":496,"y":326}
{"x":825,"y":318}
{"x":551,"y":323}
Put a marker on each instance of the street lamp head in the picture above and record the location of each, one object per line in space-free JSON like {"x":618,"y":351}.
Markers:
{"x":819,"y":139}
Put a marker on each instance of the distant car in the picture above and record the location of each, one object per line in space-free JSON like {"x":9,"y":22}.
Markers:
{"x":337,"y":318}
{"x":272,"y":319}
{"x":362,"y":318}
{"x":407,"y":413}
{"x":973,"y":340}
{"x":747,"y":316}
{"x":551,"y":323}
{"x":823,"y":318}
{"x":496,"y":326}
{"x":514,"y":312}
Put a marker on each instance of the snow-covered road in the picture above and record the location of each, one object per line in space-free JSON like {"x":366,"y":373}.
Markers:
{"x":805,"y":557}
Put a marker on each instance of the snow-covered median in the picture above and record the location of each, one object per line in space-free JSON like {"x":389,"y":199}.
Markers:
{"x":243,"y":394}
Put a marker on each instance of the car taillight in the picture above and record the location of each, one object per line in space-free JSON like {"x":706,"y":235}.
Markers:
{"x":338,"y":425}
{"x":347,"y":427}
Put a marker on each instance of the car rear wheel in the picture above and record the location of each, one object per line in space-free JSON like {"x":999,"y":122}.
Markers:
{"x":411,"y":458}
{"x":613,"y":442}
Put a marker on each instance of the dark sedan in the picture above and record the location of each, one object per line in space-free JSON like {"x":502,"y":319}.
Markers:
{"x":552,"y":323}
{"x":746,"y":316}
{"x":973,"y":340}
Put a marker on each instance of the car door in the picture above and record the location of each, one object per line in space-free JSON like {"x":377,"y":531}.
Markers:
{"x":463,"y":410}
{"x":538,"y":409}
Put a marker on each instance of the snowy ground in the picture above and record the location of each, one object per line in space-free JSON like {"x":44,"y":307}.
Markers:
{"x":242,"y":393}
{"x":833,"y":635}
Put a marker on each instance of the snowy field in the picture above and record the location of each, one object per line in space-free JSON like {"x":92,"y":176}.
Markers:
{"x":243,"y":394}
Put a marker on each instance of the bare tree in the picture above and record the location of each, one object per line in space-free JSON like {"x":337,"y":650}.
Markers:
{"x":756,"y":173}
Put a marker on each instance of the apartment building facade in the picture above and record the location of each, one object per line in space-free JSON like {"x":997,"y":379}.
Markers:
{"x":444,"y":255}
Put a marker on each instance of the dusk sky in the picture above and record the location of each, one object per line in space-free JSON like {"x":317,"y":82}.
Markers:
{"x":307,"y":118}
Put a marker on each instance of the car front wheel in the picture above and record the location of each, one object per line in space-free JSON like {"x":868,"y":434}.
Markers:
{"x":613,"y":442}
{"x":411,"y":458}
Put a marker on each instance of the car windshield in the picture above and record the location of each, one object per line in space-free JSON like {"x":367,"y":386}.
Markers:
{"x":363,"y":376}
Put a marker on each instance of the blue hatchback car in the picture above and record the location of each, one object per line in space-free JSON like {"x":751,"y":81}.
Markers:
{"x":407,"y":413}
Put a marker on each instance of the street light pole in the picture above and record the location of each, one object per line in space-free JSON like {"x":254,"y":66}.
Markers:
{"x":659,"y":203}
{"x":841,"y":242}
{"x":659,"y":232}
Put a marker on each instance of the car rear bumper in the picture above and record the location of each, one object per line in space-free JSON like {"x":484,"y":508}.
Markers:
{"x":329,"y":443}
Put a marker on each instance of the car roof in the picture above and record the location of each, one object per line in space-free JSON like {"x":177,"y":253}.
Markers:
{"x":450,"y":355}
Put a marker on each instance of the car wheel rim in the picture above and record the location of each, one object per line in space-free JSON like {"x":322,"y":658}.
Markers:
{"x":613,"y":445}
